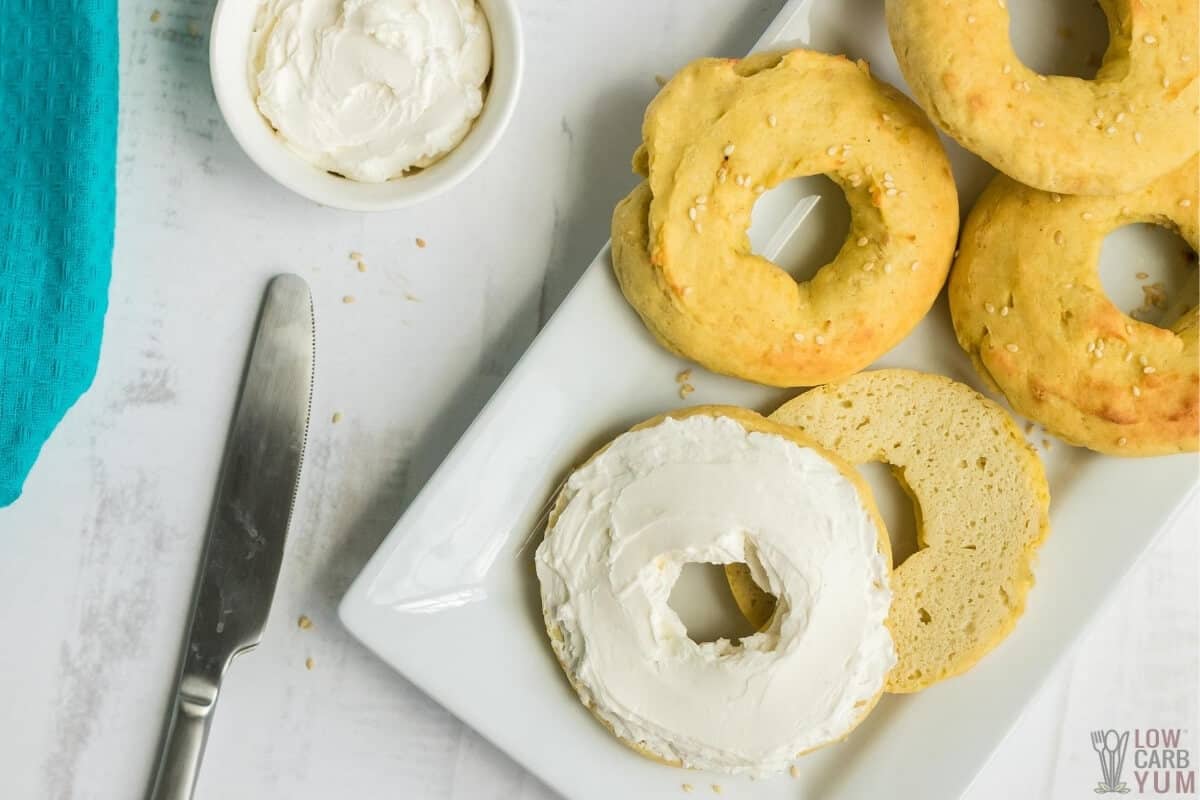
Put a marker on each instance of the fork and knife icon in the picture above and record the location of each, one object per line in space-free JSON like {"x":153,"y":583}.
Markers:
{"x":1110,"y":749}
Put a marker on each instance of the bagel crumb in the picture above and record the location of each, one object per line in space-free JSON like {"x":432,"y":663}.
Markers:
{"x":687,"y":787}
{"x":1046,"y":444}
{"x":1058,"y":237}
{"x":309,"y":664}
{"x":355,"y":255}
{"x":1012,"y":348}
{"x":1149,"y":38}
{"x":793,"y":770}
{"x":361,"y":266}
{"x":1028,"y":428}
{"x":349,"y":298}
{"x":304,"y":623}
{"x":684,"y":376}
{"x":685,"y":390}
{"x":716,"y":787}
{"x":1141,"y":276}
{"x":661,"y":80}
{"x":336,"y":418}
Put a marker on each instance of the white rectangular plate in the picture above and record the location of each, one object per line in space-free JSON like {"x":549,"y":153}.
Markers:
{"x":450,"y":599}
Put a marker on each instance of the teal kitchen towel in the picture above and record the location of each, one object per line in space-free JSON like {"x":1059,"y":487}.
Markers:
{"x":58,"y":134}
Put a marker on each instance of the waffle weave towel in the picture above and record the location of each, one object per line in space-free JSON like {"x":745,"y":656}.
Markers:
{"x":58,"y":132}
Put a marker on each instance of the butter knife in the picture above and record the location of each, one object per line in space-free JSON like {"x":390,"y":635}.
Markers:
{"x":249,"y":522}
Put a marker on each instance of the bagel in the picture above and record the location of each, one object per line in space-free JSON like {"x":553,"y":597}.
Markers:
{"x":718,"y":484}
{"x":1029,"y":308}
{"x":1138,"y":119}
{"x":980,"y":499}
{"x":722,"y":132}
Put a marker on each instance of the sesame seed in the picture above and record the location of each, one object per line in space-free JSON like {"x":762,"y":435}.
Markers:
{"x":1128,"y":356}
{"x":728,"y":151}
{"x":692,"y":213}
{"x":1110,"y":130}
{"x":846,"y":149}
{"x":1024,"y":86}
{"x":772,"y":121}
{"x":862,"y":241}
{"x":1137,"y":137}
{"x":1068,"y":286}
{"x":1122,"y":441}
{"x":886,"y":117}
{"x":891,"y":192}
{"x":887,"y":177}
{"x":1087,"y":215}
{"x":819,"y":339}
{"x":831,"y":150}
{"x":739,"y":180}
{"x":867,"y":267}
{"x":1149,"y":39}
{"x":887,"y":268}
{"x":1037,"y":123}
{"x":1091,"y":347}
{"x":722,"y":173}
{"x":799,"y":337}
{"x":701,"y":199}
{"x":1042,"y":78}
{"x":1129,"y":329}
{"x":1185,"y":58}
{"x":1137,"y":391}
{"x":855,"y":179}
{"x":1007,"y":68}
{"x":916,"y":265}
{"x":1120,"y":116}
{"x":1094,"y":122}
{"x":686,"y":290}
{"x":970,"y":19}
{"x":1148,"y":370}
{"x":1166,"y":83}
{"x":699,"y":228}
{"x":1058,"y":237}
{"x":1143,"y":360}
{"x":1004,"y":311}
{"x":1012,"y":348}
{"x":1185,"y":202}
{"x":988,"y":307}
{"x":759,"y":189}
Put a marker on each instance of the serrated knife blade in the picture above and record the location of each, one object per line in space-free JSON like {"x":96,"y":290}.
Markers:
{"x":248,"y":526}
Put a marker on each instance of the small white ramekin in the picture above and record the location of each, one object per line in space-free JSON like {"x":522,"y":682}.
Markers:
{"x":229,"y":54}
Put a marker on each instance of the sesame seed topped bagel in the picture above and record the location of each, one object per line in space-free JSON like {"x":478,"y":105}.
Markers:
{"x":1029,"y":308}
{"x":1138,"y":119}
{"x":721,"y":133}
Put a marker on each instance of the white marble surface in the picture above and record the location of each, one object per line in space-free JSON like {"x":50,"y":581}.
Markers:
{"x":98,"y":557}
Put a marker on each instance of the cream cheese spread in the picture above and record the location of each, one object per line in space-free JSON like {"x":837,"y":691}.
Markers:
{"x":369,"y":89}
{"x":704,"y":489}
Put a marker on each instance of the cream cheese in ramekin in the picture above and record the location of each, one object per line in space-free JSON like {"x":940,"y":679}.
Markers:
{"x":370,"y":89}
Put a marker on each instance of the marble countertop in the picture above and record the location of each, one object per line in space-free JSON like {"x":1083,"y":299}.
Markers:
{"x":97,"y":559}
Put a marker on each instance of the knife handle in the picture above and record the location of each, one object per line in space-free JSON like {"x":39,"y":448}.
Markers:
{"x":183,"y":744}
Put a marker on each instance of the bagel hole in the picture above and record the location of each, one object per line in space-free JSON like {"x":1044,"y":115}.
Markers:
{"x":1149,"y":273}
{"x":895,"y":506}
{"x":704,"y":602}
{"x":800,"y":243}
{"x":1059,"y":37}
